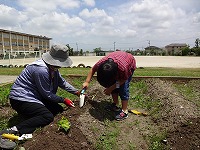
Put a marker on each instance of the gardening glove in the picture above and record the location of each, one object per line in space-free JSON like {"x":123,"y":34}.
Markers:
{"x":68,"y":102}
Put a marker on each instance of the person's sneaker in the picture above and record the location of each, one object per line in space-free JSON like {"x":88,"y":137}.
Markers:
{"x":112,"y":107}
{"x":8,"y":131}
{"x":7,"y":144}
{"x":121,"y":116}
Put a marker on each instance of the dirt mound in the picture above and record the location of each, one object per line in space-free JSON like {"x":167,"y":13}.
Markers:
{"x":51,"y":138}
{"x":179,"y":116}
{"x":176,"y":109}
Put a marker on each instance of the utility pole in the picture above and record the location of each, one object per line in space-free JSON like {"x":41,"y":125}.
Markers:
{"x":77,"y":46}
{"x":149,"y":46}
{"x":114,"y":45}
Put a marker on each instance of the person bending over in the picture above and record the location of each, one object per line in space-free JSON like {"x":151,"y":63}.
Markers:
{"x":114,"y":72}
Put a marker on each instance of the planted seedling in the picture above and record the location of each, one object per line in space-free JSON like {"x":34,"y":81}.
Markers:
{"x":64,"y":124}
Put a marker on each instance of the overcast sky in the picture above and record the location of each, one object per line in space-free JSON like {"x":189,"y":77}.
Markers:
{"x":109,"y":24}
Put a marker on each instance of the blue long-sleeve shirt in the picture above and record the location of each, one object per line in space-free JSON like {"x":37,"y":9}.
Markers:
{"x":36,"y":84}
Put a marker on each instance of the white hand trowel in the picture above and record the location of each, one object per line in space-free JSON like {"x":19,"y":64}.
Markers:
{"x":82,"y":97}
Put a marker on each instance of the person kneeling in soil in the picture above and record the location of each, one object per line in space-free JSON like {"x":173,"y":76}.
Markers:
{"x":33,"y":94}
{"x":114,"y":72}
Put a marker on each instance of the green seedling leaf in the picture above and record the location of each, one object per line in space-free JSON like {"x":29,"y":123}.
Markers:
{"x":64,"y":124}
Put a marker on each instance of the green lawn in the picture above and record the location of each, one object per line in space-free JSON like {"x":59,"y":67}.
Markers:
{"x":180,"y":72}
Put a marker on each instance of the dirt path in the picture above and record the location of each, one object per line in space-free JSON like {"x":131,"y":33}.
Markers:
{"x":7,"y":79}
{"x":142,"y":61}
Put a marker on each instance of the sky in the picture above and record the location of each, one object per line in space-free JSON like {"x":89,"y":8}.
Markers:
{"x":105,"y":24}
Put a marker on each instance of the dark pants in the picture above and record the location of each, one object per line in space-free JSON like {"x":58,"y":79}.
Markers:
{"x":37,"y":115}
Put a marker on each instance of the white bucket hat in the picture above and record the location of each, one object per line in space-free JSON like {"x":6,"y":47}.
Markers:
{"x":57,"y":56}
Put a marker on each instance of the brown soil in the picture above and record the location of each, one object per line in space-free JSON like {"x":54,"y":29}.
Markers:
{"x":178,"y":117}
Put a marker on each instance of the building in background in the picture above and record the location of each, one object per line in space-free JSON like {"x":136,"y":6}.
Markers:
{"x":15,"y":43}
{"x":153,"y":50}
{"x":175,"y":48}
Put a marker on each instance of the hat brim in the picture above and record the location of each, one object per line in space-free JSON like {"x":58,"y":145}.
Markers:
{"x":56,"y":61}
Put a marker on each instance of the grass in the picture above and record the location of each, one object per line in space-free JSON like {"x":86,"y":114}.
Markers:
{"x":190,"y":91}
{"x":186,"y":72}
{"x":156,"y":141}
{"x":10,"y":71}
{"x":3,"y":123}
{"x":139,"y":99}
{"x":180,"y":72}
{"x":77,"y":83}
{"x":108,"y":140}
{"x":4,"y":92}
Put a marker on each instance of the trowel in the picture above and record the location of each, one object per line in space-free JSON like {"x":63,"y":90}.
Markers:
{"x":137,"y":112}
{"x":14,"y":137}
{"x":82,"y":97}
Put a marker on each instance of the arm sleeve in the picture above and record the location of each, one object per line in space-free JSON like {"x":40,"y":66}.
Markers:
{"x":43,"y":83}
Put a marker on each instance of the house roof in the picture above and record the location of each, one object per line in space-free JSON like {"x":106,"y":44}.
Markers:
{"x":176,"y":44}
{"x":14,"y":32}
{"x":151,"y":47}
{"x":105,"y":51}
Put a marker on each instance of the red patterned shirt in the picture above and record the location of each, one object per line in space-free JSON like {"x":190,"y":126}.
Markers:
{"x":125,"y":61}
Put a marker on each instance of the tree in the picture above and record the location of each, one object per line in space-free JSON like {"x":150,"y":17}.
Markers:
{"x":97,"y":50}
{"x":185,"y":51}
{"x":196,"y":49}
{"x":70,"y":49}
{"x":197,"y":43}
{"x":81,"y":52}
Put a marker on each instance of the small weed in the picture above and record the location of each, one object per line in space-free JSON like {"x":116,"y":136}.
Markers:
{"x":94,"y":129}
{"x":131,"y":146}
{"x":3,"y":124}
{"x":190,"y":92}
{"x":4,"y":93}
{"x":136,"y":122}
{"x":139,"y":99}
{"x":156,"y":141}
{"x":6,"y":121}
{"x":108,"y":140}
